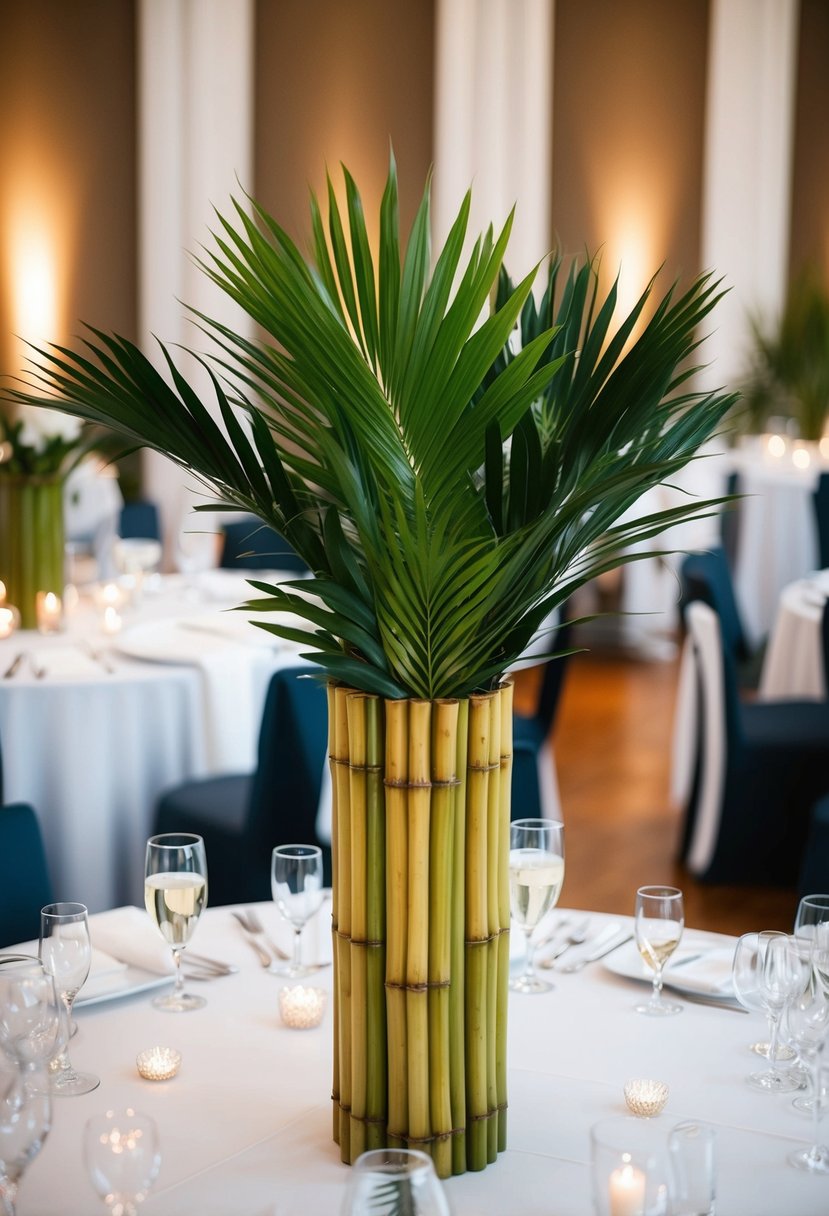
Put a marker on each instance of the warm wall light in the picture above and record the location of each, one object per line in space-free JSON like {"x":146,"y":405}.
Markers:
{"x":33,"y":270}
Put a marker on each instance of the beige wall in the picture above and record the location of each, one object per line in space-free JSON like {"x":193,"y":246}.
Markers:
{"x":67,"y":187}
{"x":335,"y":82}
{"x":810,"y":180}
{"x":629,"y":90}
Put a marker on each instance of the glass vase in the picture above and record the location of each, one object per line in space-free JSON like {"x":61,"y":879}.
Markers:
{"x":31,"y":540}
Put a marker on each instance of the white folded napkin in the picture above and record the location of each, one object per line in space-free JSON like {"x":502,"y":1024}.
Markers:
{"x":128,"y":934}
{"x":710,"y":973}
{"x":65,"y":662}
{"x":103,"y":968}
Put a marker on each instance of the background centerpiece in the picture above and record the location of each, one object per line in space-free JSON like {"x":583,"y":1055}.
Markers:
{"x":448,"y":493}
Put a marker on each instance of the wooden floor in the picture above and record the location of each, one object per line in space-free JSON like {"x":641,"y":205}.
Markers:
{"x":612,"y":742}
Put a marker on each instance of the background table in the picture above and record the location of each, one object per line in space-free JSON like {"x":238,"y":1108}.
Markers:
{"x":793,"y":665}
{"x":92,"y":750}
{"x":246,"y":1126}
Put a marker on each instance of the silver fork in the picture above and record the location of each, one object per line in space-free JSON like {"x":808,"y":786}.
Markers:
{"x":255,"y":926}
{"x":262,"y":954}
{"x":574,"y":938}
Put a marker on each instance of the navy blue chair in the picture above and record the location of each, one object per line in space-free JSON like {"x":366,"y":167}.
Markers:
{"x":242,"y":817}
{"x":534,"y":785}
{"x":814,"y":871}
{"x":761,"y":767}
{"x":251,"y":545}
{"x":821,"y":501}
{"x":25,"y":886}
{"x":707,"y":577}
{"x":139,"y":520}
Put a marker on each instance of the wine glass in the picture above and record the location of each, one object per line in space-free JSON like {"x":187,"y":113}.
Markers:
{"x":134,"y":558}
{"x":296,"y":885}
{"x":806,"y":1018}
{"x":122,"y":1158}
{"x":66,"y":953}
{"x":536,"y":876}
{"x":772,"y":965}
{"x":30,"y":1011}
{"x":25,"y":1120}
{"x":811,"y":926}
{"x":745,"y":977}
{"x":175,"y":894}
{"x":195,"y":553}
{"x":394,"y":1180}
{"x":659,"y":921}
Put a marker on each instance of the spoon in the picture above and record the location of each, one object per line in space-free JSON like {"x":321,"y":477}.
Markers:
{"x":574,"y":938}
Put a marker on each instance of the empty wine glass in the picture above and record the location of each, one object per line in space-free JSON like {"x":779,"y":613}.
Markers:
{"x":134,"y":558}
{"x":806,"y":1018}
{"x":66,"y":953}
{"x":811,"y":926}
{"x":746,"y":972}
{"x":296,"y":885}
{"x":175,"y":894}
{"x":770,"y":964}
{"x":31,"y":1030}
{"x":659,"y":921}
{"x":122,"y":1158}
{"x":25,"y":1120}
{"x":536,"y":876}
{"x":394,"y":1180}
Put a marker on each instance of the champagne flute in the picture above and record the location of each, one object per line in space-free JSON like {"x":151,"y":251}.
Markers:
{"x":175,"y":894}
{"x":659,"y":921}
{"x":807,"y":1021}
{"x":296,"y":885}
{"x":746,"y":970}
{"x":781,"y":974}
{"x":30,"y":1011}
{"x":122,"y":1158}
{"x":536,"y":876}
{"x":66,"y":953}
{"x":25,"y":1120}
{"x":400,"y":1180}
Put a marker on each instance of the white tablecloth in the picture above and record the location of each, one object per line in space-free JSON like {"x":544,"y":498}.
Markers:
{"x":92,"y":750}
{"x":246,"y":1126}
{"x":793,"y":666}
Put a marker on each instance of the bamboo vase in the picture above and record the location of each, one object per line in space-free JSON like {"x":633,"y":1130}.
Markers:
{"x":420,"y":922}
{"x":31,"y":541}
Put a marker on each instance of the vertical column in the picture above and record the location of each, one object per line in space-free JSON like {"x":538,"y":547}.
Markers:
{"x":195,"y":149}
{"x":748,"y":159}
{"x":493,"y":119}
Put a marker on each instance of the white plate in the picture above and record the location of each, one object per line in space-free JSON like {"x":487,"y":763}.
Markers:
{"x":627,"y":962}
{"x":189,"y":639}
{"x":128,"y":982}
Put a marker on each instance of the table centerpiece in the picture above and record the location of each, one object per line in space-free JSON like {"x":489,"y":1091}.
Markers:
{"x":448,"y":492}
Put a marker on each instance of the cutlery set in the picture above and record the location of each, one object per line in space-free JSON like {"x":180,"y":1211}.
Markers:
{"x":265,"y":948}
{"x":607,"y":939}
{"x":21,"y":657}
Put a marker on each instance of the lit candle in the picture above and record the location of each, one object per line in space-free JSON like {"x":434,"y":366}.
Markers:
{"x":776,"y":446}
{"x":2,"y":592}
{"x":627,"y":1190}
{"x":159,"y":1063}
{"x":48,"y":609}
{"x":9,"y":619}
{"x":112,"y":620}
{"x":301,"y":1008}
{"x":108,"y":595}
{"x":801,"y":458}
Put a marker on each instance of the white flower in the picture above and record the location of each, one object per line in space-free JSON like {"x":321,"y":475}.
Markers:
{"x":40,"y":425}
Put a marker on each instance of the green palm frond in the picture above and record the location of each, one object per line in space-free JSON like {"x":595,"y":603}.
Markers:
{"x":446,"y":491}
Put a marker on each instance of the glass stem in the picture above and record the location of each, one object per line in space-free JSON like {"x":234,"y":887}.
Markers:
{"x":814,"y":1151}
{"x":61,"y":1064}
{"x":529,"y":969}
{"x":179,"y":988}
{"x":8,"y":1196}
{"x":656,"y":995}
{"x":774,"y":1026}
{"x":296,"y":962}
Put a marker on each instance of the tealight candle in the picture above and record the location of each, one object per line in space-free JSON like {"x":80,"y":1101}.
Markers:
{"x":2,"y":592}
{"x":301,"y":1008}
{"x":9,"y":619}
{"x":112,"y":620}
{"x":626,"y":1190}
{"x":48,"y":609}
{"x":159,"y":1063}
{"x":776,"y":446}
{"x":108,"y":595}
{"x":646,"y":1098}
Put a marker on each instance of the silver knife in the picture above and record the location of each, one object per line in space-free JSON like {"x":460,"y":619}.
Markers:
{"x":15,"y":663}
{"x":607,"y":946}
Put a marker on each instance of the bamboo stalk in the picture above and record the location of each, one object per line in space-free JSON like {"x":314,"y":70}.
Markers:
{"x":457,"y":990}
{"x":477,"y":932}
{"x":397,"y":882}
{"x":341,"y":777}
{"x":494,"y":923}
{"x":505,"y":810}
{"x":335,"y":902}
{"x":419,"y":911}
{"x":357,"y":746}
{"x":443,"y":767}
{"x":376,"y":1070}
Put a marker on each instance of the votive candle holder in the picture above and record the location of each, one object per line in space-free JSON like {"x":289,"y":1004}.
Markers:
{"x":301,"y":1007}
{"x":158,"y":1063}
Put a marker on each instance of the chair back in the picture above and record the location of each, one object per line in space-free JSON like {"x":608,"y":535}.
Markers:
{"x":821,"y":501}
{"x":824,"y":644}
{"x":552,"y":681}
{"x":293,"y":745}
{"x":24,"y":877}
{"x":718,"y":731}
{"x":707,"y":577}
{"x":251,"y":545}
{"x":139,"y":520}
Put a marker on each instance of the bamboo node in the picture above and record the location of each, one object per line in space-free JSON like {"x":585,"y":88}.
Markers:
{"x":483,"y":941}
{"x":485,"y":768}
{"x":433,"y":1139}
{"x":494,"y":1110}
{"x":401,"y":784}
{"x":381,"y":1122}
{"x":419,"y":987}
